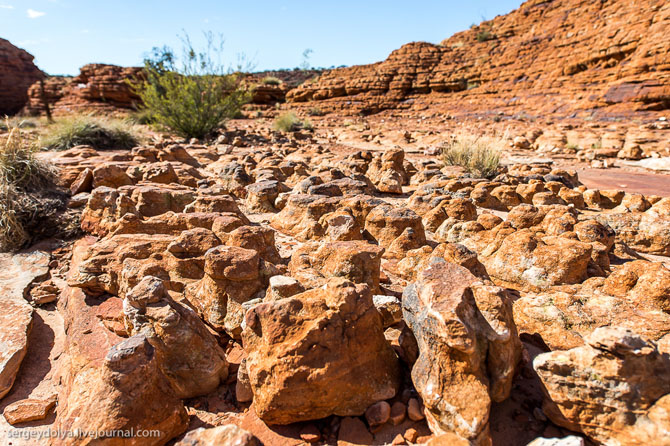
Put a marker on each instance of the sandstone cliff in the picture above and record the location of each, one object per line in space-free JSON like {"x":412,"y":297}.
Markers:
{"x":549,"y":57}
{"x":17,"y":73}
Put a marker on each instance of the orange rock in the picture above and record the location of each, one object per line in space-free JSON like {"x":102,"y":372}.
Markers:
{"x":358,"y":261}
{"x":26,"y":410}
{"x":398,"y":411}
{"x":290,"y":387}
{"x":613,"y":389}
{"x":378,"y":413}
{"x":411,"y":435}
{"x":228,"y":434}
{"x":459,"y":376}
{"x":353,"y":432}
{"x":310,"y":434}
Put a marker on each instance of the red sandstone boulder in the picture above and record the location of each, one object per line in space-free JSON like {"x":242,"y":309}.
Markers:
{"x":187,"y":353}
{"x":468,"y":348}
{"x":232,"y":278}
{"x":614,"y":389}
{"x":358,"y":261}
{"x":293,"y":379}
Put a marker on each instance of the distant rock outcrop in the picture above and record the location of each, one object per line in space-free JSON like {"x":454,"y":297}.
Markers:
{"x":97,"y":87}
{"x":17,"y":73}
{"x":102,"y":87}
{"x":549,"y":57}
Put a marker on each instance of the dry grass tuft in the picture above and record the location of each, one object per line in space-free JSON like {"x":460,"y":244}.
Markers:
{"x":20,"y":173}
{"x":19,"y":168}
{"x":12,"y":233}
{"x":478,"y":155}
{"x":290,"y":122}
{"x":100,"y":133}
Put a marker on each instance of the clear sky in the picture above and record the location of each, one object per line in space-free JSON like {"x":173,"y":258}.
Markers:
{"x":63,"y":35}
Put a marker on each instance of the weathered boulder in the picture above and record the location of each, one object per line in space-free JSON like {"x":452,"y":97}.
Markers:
{"x":341,"y":225}
{"x":16,"y":321}
{"x":387,"y":171}
{"x":186,"y":351}
{"x":17,"y":274}
{"x":303,"y":351}
{"x":116,"y":264}
{"x":128,"y":384}
{"x":528,"y":261}
{"x":358,"y":261}
{"x":232,"y":277}
{"x":301,"y":214}
{"x":468,"y":348}
{"x":645,"y":232}
{"x":261,"y":196}
{"x":642,"y":282}
{"x":615,"y":389}
{"x":396,"y":229}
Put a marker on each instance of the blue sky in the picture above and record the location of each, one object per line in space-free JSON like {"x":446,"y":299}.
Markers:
{"x":66,"y":34}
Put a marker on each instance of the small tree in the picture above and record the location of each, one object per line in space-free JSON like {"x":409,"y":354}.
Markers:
{"x":195,"y":97}
{"x":305,"y":59}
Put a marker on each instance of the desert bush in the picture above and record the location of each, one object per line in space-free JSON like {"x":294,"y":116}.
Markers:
{"x":141,"y":117}
{"x":100,"y":133}
{"x":290,"y":122}
{"x":20,"y":173}
{"x":315,"y":111}
{"x":271,"y":80}
{"x":478,"y":155}
{"x":307,"y":124}
{"x":484,"y":35}
{"x":192,"y":98}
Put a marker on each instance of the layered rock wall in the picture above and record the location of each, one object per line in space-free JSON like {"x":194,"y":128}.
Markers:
{"x":555,"y":57}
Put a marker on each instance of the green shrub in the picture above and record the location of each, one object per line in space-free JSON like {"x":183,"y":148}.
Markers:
{"x":192,"y":99}
{"x":307,"y":124}
{"x":289,"y":122}
{"x":141,"y":117}
{"x":271,"y":80}
{"x":315,"y":111}
{"x":20,"y":172}
{"x":478,"y":155}
{"x":100,"y":133}
{"x":484,"y":35}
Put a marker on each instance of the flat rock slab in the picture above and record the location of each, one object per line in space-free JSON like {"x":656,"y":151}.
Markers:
{"x":15,"y":322}
{"x":17,"y":273}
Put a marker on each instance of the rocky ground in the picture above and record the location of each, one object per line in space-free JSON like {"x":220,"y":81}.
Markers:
{"x":343,"y":286}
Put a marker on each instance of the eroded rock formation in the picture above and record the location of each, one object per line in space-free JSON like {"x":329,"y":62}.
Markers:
{"x":601,"y":58}
{"x":17,"y":74}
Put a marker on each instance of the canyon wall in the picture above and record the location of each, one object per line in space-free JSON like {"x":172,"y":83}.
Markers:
{"x":563,"y":58}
